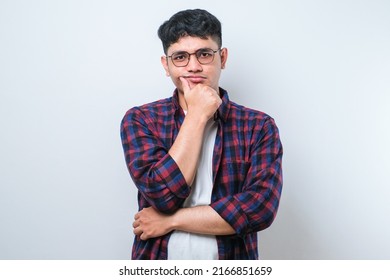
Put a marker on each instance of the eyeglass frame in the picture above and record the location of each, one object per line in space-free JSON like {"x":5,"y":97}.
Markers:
{"x":189,"y":56}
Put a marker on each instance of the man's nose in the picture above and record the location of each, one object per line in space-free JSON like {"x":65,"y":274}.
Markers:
{"x":193,"y":64}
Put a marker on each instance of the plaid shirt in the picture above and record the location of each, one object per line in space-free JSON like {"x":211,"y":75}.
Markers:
{"x":247,"y":171}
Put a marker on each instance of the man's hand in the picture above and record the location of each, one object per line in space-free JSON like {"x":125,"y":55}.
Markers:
{"x":149,"y":223}
{"x":202,"y":101}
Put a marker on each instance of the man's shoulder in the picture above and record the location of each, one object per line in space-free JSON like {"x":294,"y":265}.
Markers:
{"x":238,"y":111}
{"x":243,"y":118}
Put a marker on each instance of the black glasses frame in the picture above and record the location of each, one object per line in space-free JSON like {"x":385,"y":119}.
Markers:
{"x":196,"y":53}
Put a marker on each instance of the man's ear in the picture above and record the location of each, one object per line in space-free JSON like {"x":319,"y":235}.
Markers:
{"x":164,"y":62}
{"x":224,"y":56}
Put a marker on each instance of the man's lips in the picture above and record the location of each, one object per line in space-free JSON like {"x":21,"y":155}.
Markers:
{"x":195,"y":78}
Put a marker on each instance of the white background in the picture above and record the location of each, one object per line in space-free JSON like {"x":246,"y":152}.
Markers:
{"x":69,"y":70}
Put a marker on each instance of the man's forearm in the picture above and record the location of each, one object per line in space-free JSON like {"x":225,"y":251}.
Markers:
{"x":149,"y":223}
{"x":202,"y":220}
{"x":201,"y":102}
{"x":186,"y":148}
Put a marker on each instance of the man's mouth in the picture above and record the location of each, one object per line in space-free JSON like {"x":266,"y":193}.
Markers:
{"x":196,"y":79}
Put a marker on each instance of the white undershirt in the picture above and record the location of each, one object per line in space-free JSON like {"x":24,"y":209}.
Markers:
{"x":192,"y":246}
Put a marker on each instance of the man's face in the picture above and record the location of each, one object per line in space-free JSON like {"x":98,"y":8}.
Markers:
{"x":195,"y":72}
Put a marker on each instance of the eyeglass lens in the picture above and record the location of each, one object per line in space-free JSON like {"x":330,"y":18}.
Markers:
{"x":204,"y":56}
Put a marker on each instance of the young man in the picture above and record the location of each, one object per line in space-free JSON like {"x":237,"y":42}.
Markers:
{"x":208,"y":171}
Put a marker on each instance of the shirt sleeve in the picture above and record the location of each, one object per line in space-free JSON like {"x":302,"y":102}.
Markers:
{"x":154,"y":172}
{"x":254,"y":208}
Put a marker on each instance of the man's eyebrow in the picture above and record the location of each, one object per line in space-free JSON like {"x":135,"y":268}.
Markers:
{"x":201,"y":49}
{"x":179,"y":52}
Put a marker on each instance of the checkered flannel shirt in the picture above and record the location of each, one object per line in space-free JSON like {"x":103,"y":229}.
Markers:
{"x":247,"y":171}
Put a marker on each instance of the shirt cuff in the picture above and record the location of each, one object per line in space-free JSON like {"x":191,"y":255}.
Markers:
{"x":169,"y":173}
{"x":232,"y":213}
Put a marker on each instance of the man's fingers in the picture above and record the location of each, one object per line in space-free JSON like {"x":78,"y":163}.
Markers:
{"x":136,"y":224}
{"x":185,"y":84}
{"x":137,"y":231}
{"x":144,"y":237}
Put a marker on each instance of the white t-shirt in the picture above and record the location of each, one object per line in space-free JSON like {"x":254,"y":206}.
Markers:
{"x":192,"y":246}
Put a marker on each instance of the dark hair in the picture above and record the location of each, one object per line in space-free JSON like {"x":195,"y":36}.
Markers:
{"x":196,"y":23}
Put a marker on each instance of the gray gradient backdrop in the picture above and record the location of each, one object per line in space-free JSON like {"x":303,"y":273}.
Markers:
{"x":69,"y":70}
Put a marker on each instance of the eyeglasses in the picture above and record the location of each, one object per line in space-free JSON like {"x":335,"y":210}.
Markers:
{"x":182,"y":58}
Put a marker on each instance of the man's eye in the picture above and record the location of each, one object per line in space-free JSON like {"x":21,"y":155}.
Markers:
{"x":205,"y":54}
{"x":179,"y":57}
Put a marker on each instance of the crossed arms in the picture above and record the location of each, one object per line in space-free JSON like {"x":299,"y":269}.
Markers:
{"x":164,"y":177}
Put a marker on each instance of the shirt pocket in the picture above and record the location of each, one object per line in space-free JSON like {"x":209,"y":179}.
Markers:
{"x":234,"y":175}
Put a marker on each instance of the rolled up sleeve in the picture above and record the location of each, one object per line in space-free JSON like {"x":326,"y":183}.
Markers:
{"x":254,"y":208}
{"x":154,"y":172}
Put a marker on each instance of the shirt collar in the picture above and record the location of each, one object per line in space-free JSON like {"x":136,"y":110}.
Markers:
{"x":222,"y":112}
